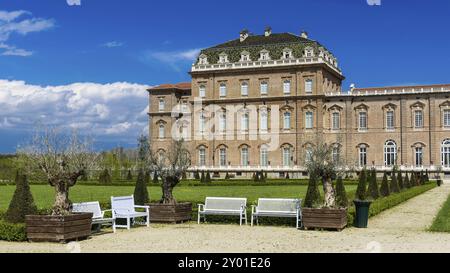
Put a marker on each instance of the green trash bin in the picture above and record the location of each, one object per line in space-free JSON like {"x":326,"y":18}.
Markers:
{"x":362,"y":213}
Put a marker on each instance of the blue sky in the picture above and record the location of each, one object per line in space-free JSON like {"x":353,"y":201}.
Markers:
{"x":136,"y":43}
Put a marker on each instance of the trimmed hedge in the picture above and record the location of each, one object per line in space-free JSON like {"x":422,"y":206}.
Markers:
{"x":12,"y":232}
{"x":390,"y":201}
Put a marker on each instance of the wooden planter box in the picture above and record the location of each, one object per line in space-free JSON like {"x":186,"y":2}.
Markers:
{"x":164,"y":213}
{"x":324,"y":218}
{"x":49,"y":228}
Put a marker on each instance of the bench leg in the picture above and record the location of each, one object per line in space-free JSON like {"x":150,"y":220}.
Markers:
{"x":128,"y":223}
{"x":198,"y":218}
{"x":252,"y":219}
{"x":114,"y":225}
{"x":148,"y":220}
{"x":240,"y":219}
{"x":245,"y":217}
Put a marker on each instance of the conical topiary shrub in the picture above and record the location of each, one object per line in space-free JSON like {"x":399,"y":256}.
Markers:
{"x":262,"y":177}
{"x":393,"y":187}
{"x":374,"y":193}
{"x":361,"y":190}
{"x":129,"y":175}
{"x":312,"y":198}
{"x":401,"y":184}
{"x":406,"y":182}
{"x":287,"y":176}
{"x":341,"y":194}
{"x":22,"y":202}
{"x":202,"y":177}
{"x":427,"y":177}
{"x":384,"y":188}
{"x":413,"y":179}
{"x":147,"y":178}
{"x":227,"y":176}
{"x":197,"y":175}
{"x":140,"y":190}
{"x":208,"y":177}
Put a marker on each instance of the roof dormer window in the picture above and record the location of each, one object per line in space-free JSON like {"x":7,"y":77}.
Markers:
{"x":264,"y":55}
{"x":203,"y":59}
{"x":245,"y":56}
{"x":223,"y":58}
{"x":309,"y":52}
{"x":287,"y":53}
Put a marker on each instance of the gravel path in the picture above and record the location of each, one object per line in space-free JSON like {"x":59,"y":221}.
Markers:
{"x":400,"y":229}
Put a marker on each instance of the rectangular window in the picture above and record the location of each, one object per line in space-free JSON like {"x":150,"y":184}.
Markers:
{"x":223,"y":90}
{"x":223,"y":157}
{"x":309,"y":120}
{"x":244,"y":157}
{"x":308,"y":86}
{"x":362,"y":156}
{"x":263,"y":122}
{"x":418,"y":159}
{"x":418,"y":119}
{"x":390,"y":120}
{"x":446,"y":118}
{"x":244,"y":89}
{"x":201,"y":123}
{"x":336,"y":121}
{"x":263,"y":88}
{"x":287,"y":121}
{"x":244,"y":122}
{"x":362,"y":121}
{"x":286,"y":157}
{"x":161,"y":131}
{"x":264,"y":157}
{"x":202,"y":157}
{"x":287,"y":87}
{"x":202,"y":91}
{"x":162,"y":105}
{"x":222,"y":123}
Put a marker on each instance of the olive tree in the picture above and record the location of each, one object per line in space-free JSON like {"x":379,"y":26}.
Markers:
{"x":60,"y":159}
{"x":170,"y":166}
{"x":325,"y":166}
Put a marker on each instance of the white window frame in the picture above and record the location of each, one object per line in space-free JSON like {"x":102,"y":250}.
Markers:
{"x":287,"y":120}
{"x":287,"y":87}
{"x":222,"y":89}
{"x":362,"y":155}
{"x":202,"y":123}
{"x":202,"y":91}
{"x":418,"y":156}
{"x":161,"y":105}
{"x":286,"y":156}
{"x":264,"y":156}
{"x":390,"y":153}
{"x":161,"y":131}
{"x":309,"y":120}
{"x":244,"y":88}
{"x":445,"y":153}
{"x":223,"y":157}
{"x":264,"y":87}
{"x":222,"y":122}
{"x":263,"y":121}
{"x":362,"y":122}
{"x":418,"y":119}
{"x":308,"y":86}
{"x":390,"y":120}
{"x":446,"y":118}
{"x":202,"y":156}
{"x":245,"y":122}
{"x":244,"y":156}
{"x":335,"y":121}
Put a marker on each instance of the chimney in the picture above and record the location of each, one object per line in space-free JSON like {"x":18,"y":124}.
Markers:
{"x":268,"y":31}
{"x":243,"y":35}
{"x":304,"y":34}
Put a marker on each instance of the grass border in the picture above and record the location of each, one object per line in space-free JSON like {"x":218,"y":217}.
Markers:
{"x":441,"y":222}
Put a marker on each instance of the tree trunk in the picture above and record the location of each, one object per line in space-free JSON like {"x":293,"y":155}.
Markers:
{"x":167,"y":188}
{"x":62,"y":205}
{"x":329,"y":194}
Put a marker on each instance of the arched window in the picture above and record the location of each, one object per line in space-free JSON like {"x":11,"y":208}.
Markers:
{"x":161,"y":131}
{"x":286,"y":156}
{"x":223,"y":89}
{"x":202,"y":156}
{"x":202,"y":91}
{"x":336,"y":154}
{"x":244,"y":89}
{"x":287,"y":87}
{"x":287,"y":120}
{"x":308,"y":154}
{"x":362,"y":155}
{"x":244,"y":156}
{"x":390,"y":153}
{"x":264,"y":158}
{"x":223,"y":157}
{"x":445,"y":151}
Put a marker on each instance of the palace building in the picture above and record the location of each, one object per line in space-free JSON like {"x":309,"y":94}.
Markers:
{"x":260,"y":102}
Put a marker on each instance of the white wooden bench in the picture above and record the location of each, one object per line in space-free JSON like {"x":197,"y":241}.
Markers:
{"x":277,"y":207}
{"x":124,"y":208}
{"x":223,"y":206}
{"x":98,"y":217}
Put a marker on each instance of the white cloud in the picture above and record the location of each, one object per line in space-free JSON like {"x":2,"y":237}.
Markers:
{"x":9,"y":25}
{"x":73,"y":2}
{"x":172,"y":58}
{"x":112,"y":44}
{"x":108,"y":111}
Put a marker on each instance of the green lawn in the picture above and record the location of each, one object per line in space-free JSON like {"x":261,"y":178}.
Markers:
{"x":44,"y":195}
{"x":442,"y":221}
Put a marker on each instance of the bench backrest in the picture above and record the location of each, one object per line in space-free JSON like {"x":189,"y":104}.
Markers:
{"x":224,"y":203}
{"x":93,"y":207}
{"x":275,"y":204}
{"x":122,"y":202}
